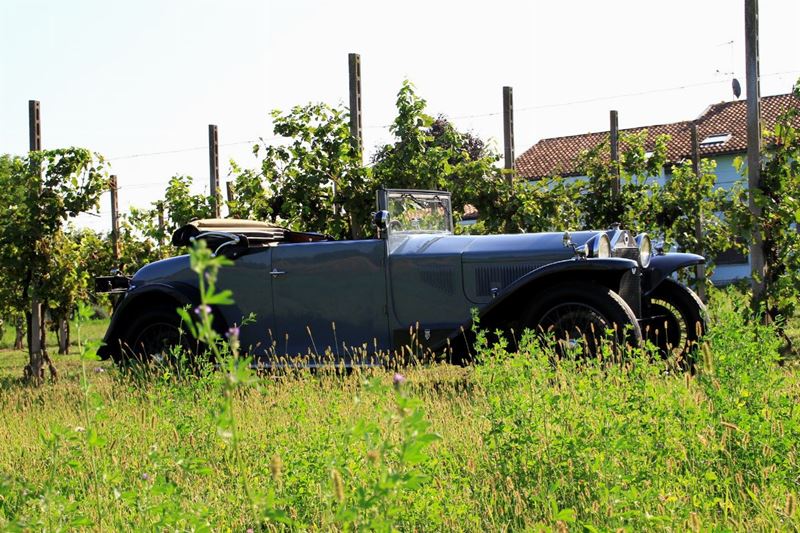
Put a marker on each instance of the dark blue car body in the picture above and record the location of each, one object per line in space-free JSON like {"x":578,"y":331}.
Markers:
{"x":414,"y":287}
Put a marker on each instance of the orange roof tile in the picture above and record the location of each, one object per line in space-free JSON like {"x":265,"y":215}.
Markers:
{"x":559,"y":155}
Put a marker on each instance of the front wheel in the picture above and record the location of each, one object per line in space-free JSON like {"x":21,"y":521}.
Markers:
{"x":580,"y":317}
{"x":675,"y":321}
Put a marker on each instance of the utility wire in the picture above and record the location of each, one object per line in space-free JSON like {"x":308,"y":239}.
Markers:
{"x":182,"y":150}
{"x":608,"y":97}
{"x":477,"y":115}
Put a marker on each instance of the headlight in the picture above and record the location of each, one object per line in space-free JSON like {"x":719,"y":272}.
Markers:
{"x":645,"y":249}
{"x":602,"y":248}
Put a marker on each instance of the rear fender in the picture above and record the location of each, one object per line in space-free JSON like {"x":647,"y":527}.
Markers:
{"x":138,"y":300}
{"x":662,"y":267}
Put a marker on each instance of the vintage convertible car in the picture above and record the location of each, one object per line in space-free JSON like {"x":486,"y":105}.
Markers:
{"x":416,"y":284}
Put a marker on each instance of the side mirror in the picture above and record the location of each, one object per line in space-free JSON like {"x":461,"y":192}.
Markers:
{"x":381,"y":219}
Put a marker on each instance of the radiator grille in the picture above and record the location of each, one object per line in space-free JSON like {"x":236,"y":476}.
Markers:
{"x":627,"y":253}
{"x":630,"y":290}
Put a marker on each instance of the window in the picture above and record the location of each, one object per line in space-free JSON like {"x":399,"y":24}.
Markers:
{"x":717,"y":139}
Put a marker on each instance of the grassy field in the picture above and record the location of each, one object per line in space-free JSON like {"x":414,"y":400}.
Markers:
{"x":515,"y":443}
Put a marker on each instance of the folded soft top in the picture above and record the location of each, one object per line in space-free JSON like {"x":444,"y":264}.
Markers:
{"x":257,"y":232}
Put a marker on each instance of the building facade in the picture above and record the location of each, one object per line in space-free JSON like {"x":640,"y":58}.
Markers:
{"x":722,"y":136}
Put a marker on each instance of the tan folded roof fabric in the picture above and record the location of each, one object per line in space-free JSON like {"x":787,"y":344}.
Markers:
{"x":232,"y":225}
{"x":254,"y":230}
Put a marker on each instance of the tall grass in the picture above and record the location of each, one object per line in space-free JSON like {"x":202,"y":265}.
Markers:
{"x":515,"y":443}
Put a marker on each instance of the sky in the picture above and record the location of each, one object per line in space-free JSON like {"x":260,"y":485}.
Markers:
{"x":140,"y":82}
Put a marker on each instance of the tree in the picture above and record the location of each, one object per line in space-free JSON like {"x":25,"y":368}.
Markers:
{"x":432,"y":154}
{"x":521,"y":206}
{"x":39,"y":193}
{"x":316,"y":182}
{"x":182,"y":206}
{"x":686,"y":199}
{"x":780,"y":214}
{"x":12,"y":305}
{"x":143,"y":239}
{"x":96,"y":258}
{"x":64,"y":282}
{"x":637,"y":166}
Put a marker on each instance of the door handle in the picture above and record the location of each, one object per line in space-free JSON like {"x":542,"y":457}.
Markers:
{"x":276,"y":273}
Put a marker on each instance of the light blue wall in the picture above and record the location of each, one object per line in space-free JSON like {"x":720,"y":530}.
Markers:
{"x":726,"y":171}
{"x":727,"y":175}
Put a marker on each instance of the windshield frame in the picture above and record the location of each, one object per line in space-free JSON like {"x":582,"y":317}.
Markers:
{"x":420,"y":197}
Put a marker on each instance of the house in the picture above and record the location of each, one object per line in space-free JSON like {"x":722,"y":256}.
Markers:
{"x":722,"y":135}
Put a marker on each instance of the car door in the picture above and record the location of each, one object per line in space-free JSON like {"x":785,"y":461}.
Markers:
{"x":330,"y":296}
{"x":249,"y":280}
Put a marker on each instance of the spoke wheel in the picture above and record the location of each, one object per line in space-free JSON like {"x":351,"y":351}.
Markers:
{"x":676,"y":321}
{"x":580,"y":316}
{"x":664,"y":327}
{"x":575,"y":326}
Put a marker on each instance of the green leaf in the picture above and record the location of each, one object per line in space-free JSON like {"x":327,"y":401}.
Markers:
{"x":565,"y":515}
{"x":224,"y":297}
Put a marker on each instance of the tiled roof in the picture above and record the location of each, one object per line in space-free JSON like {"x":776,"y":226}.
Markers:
{"x":559,"y":155}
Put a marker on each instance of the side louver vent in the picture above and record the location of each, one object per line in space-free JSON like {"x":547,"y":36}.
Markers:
{"x":497,"y":277}
{"x":439,"y":278}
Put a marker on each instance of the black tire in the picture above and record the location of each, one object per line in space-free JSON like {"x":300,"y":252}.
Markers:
{"x":153,"y":337}
{"x":676,"y":321}
{"x":579,"y":315}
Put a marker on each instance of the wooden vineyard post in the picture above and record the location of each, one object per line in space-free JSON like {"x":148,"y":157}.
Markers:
{"x":614,"y":141}
{"x":508,"y":132}
{"x":213,"y":164}
{"x":700,"y":270}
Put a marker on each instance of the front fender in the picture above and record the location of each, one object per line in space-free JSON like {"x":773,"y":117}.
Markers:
{"x":662,"y":266}
{"x":615,"y":266}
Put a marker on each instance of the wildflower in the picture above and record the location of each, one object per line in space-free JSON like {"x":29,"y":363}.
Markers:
{"x":79,"y":429}
{"x":99,"y":370}
{"x":249,"y":530}
{"x":398,"y":380}
{"x":145,"y":476}
{"x":202,"y":310}
{"x":233,"y":332}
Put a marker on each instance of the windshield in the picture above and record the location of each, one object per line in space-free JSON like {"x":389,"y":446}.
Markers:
{"x":419,"y":212}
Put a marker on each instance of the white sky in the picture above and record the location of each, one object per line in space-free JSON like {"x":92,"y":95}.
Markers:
{"x":129,"y":78}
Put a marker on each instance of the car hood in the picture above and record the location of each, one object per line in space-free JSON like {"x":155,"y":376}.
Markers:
{"x":482,"y":248}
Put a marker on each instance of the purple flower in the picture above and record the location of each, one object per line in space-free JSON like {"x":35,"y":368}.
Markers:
{"x":398,"y":380}
{"x":202,"y":309}
{"x":99,"y":370}
{"x":145,"y":476}
{"x":233,"y":332}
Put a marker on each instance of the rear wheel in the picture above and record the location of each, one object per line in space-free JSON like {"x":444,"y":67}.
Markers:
{"x":581,"y":316}
{"x":676,"y":321}
{"x":157,"y":337}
